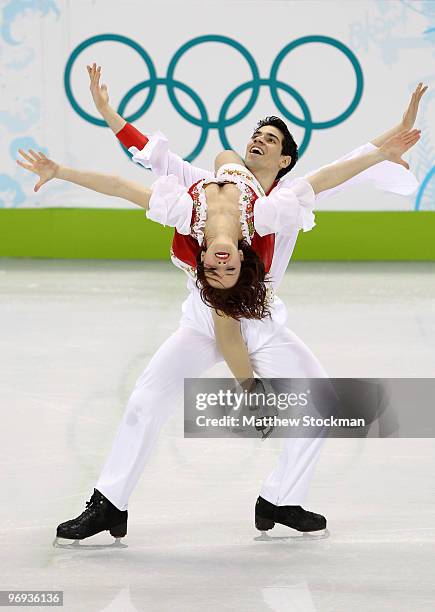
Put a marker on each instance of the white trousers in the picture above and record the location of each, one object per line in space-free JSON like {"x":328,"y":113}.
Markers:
{"x":275,"y":352}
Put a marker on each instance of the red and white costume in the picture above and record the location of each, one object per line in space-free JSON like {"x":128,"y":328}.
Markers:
{"x":274,"y":350}
{"x":186,"y":210}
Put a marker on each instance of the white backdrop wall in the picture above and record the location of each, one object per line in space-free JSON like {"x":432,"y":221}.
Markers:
{"x":392,"y":42}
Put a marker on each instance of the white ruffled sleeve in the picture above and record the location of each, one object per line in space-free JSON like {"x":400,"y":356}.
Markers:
{"x":170,"y":204}
{"x":157,"y":157}
{"x":385,"y":175}
{"x":286,"y":209}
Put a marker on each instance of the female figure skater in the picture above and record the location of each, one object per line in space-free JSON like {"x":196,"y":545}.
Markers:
{"x":223,"y":225}
{"x":156,"y":393}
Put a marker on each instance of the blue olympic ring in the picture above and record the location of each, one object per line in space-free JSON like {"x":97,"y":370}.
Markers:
{"x":423,"y":187}
{"x":117,"y":38}
{"x":203,"y":111}
{"x":226,"y":41}
{"x":222,"y":122}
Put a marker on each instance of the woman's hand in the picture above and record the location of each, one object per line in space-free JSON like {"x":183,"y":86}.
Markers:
{"x":410,"y":114}
{"x":38,"y":164}
{"x":99,"y":92}
{"x":397,"y":145}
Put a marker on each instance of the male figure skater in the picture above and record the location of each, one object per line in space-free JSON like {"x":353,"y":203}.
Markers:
{"x":274,"y":351}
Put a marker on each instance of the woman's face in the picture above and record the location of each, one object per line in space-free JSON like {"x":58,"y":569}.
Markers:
{"x":222,"y":265}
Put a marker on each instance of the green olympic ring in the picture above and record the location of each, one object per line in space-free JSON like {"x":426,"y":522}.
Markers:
{"x":222,"y":122}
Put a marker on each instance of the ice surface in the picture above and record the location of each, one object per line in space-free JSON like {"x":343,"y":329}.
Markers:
{"x":75,"y":335}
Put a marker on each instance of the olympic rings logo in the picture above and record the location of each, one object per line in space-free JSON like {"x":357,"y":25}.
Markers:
{"x":202,"y":120}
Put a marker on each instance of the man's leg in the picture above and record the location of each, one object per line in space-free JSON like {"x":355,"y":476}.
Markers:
{"x":282,"y":354}
{"x":186,"y":354}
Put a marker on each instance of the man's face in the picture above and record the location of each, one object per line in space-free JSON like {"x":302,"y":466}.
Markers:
{"x":222,"y":264}
{"x":263,"y":151}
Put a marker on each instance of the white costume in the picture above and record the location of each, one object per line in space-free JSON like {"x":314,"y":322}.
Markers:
{"x":275,"y":351}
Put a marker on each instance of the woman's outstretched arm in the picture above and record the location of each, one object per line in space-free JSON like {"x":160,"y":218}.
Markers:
{"x":109,"y":184}
{"x":231,"y":344}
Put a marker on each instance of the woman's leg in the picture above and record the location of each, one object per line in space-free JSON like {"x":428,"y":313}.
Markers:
{"x":227,"y":157}
{"x":187,"y":353}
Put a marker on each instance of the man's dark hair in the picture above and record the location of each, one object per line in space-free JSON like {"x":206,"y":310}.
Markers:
{"x":248,"y":296}
{"x":289,"y":146}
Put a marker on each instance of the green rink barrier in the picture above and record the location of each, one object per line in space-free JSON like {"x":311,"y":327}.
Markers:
{"x":91,"y":233}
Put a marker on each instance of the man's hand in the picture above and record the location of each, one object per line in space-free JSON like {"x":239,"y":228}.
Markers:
{"x":391,"y":149}
{"x":408,"y":118}
{"x":101,"y":99}
{"x":397,"y":145}
{"x":410,"y":114}
{"x":99,"y":92}
{"x":38,"y":164}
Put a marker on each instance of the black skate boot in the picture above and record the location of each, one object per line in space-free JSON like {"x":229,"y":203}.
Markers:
{"x":295,"y":517}
{"x":100,"y":515}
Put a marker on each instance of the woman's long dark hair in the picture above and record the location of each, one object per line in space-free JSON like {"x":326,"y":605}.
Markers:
{"x":248,"y":296}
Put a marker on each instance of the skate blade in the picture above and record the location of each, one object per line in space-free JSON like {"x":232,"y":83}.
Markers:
{"x":77,"y":545}
{"x":322,"y":534}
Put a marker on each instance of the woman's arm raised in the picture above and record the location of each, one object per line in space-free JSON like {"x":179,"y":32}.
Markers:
{"x":109,"y":184}
{"x":231,"y":344}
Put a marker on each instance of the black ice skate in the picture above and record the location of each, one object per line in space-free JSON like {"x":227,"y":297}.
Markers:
{"x":295,"y":517}
{"x":100,"y":515}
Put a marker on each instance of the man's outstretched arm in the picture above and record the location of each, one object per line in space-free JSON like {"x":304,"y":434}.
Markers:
{"x":392,"y":150}
{"x":385,"y":176}
{"x":408,"y":118}
{"x":127,"y":133}
{"x":161,"y":161}
{"x":291,"y":208}
{"x":100,"y":96}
